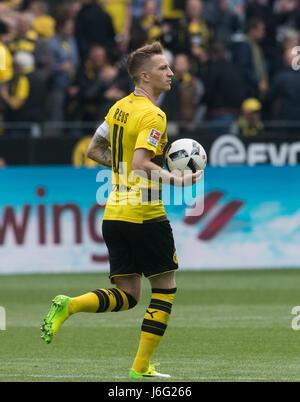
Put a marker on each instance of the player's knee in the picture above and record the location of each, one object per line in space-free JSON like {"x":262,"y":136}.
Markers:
{"x":133,"y":293}
{"x":132,"y":286}
{"x":165,"y":280}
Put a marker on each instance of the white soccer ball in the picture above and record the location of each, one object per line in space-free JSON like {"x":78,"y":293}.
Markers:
{"x":185,"y":154}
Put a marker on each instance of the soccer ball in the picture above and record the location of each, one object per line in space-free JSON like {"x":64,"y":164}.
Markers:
{"x":185,"y":154}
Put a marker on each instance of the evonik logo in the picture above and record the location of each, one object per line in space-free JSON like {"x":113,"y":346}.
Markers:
{"x":230,"y":150}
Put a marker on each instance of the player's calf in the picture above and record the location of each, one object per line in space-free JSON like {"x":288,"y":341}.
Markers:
{"x":102,"y":301}
{"x":114,"y":300}
{"x":153,"y":327}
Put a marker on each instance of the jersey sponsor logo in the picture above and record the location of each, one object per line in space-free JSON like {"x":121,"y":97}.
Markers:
{"x":154,"y":137}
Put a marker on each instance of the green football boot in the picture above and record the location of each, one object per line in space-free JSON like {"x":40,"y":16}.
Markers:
{"x":58,"y":313}
{"x":150,"y":373}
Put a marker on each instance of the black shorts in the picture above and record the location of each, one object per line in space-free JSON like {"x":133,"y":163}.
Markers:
{"x":134,"y":248}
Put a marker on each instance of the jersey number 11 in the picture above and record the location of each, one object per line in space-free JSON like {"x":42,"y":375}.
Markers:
{"x":117,"y":157}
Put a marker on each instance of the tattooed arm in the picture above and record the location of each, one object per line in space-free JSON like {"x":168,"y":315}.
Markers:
{"x":99,"y":149}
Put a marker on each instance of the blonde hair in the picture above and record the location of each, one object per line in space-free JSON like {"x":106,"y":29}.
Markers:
{"x":140,"y":56}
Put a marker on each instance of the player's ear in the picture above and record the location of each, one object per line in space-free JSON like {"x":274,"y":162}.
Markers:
{"x":145,"y":76}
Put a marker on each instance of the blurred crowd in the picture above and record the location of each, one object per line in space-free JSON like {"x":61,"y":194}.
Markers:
{"x":235,"y":61}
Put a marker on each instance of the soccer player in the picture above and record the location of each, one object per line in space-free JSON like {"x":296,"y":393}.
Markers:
{"x":135,"y":226}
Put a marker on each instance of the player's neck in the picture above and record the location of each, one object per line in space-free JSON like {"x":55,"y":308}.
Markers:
{"x":147,"y":93}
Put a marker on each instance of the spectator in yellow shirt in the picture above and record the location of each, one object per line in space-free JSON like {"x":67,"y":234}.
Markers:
{"x":120,"y":12}
{"x":249,"y":123}
{"x":43,"y":23}
{"x":172,"y":9}
{"x":6,"y":70}
{"x":28,"y":40}
{"x":14,"y":4}
{"x":24,"y":95}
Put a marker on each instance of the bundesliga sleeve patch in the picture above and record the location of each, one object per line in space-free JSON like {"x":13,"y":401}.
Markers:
{"x":154,"y":137}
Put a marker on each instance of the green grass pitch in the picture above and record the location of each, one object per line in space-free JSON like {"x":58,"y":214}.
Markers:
{"x":225,"y":326}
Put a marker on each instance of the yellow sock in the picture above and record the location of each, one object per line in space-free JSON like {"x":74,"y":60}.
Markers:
{"x":88,"y":303}
{"x":102,"y":300}
{"x":153,"y":328}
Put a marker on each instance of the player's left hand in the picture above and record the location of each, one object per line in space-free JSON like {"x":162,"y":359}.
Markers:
{"x":188,"y":179}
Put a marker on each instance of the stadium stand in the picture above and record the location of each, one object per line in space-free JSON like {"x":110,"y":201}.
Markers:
{"x":80,"y":48}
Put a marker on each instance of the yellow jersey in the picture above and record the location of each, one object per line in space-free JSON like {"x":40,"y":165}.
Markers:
{"x":117,"y":9}
{"x":6,"y":63}
{"x":135,"y":122}
{"x":169,"y":10}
